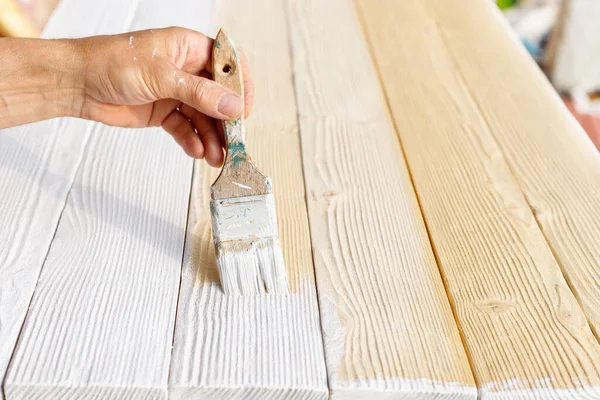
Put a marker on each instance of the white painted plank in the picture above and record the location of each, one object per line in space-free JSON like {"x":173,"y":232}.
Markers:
{"x":101,"y":319}
{"x":260,"y":347}
{"x":37,"y":167}
{"x":103,"y":311}
{"x":388,"y":327}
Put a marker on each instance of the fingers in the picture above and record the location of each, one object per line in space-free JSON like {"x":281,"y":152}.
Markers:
{"x":206,"y":96}
{"x":184,"y":134}
{"x":207,"y":130}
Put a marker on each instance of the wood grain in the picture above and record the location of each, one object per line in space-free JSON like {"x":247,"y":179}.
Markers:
{"x":524,"y":331}
{"x":38,"y":163}
{"x":37,"y":168}
{"x":257,"y":347}
{"x":553,"y":161}
{"x":388,"y":327}
{"x":100,"y":324}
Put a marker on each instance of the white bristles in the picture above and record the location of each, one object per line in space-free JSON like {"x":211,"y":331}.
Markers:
{"x":246,"y":241}
{"x":251,"y":268}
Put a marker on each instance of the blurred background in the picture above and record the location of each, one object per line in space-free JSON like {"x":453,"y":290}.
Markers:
{"x":563,"y":37}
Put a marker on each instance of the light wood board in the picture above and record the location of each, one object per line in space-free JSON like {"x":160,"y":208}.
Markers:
{"x":101,"y":320}
{"x":524,"y":331}
{"x":258,"y":347}
{"x":37,"y":168}
{"x":388,"y":327}
{"x":552,"y":159}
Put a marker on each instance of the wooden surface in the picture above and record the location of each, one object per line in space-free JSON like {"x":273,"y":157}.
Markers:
{"x":555,"y":164}
{"x":111,"y":276}
{"x":37,"y":168}
{"x":379,"y":285}
{"x":450,"y":200}
{"x":253,"y":347}
{"x":523,"y":328}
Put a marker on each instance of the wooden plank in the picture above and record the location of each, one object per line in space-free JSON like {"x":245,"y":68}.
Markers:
{"x":554,"y":163}
{"x":101,"y":320}
{"x":524,"y":331}
{"x":259,"y":347}
{"x":37,"y":168}
{"x":387,"y":324}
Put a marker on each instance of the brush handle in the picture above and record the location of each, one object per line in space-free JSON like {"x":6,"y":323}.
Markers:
{"x":227,"y":71}
{"x":239,"y":177}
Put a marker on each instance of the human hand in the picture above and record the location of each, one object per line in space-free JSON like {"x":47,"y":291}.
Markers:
{"x":160,"y":77}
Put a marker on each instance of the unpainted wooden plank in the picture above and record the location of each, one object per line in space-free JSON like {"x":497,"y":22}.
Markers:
{"x":253,"y":347}
{"x":553,"y":161}
{"x":388,"y":327}
{"x":101,"y":320}
{"x":38,"y":163}
{"x":524,"y":331}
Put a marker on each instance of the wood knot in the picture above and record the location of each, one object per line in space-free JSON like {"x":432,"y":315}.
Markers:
{"x":496,"y":306}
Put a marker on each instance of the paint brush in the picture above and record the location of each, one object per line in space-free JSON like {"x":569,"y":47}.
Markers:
{"x":244,"y":222}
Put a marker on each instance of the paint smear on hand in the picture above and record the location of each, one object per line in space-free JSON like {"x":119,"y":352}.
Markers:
{"x":131,"y":41}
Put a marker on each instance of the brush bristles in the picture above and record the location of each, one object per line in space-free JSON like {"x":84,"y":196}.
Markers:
{"x":252,"y":267}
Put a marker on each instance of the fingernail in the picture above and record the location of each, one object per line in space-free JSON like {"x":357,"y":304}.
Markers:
{"x":231,"y":105}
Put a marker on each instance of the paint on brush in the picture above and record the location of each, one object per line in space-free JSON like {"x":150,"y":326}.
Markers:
{"x":236,"y":147}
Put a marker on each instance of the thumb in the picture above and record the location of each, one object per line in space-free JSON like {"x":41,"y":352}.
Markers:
{"x":206,"y":96}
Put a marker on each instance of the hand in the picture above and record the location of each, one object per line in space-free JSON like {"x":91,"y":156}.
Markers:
{"x":160,"y":77}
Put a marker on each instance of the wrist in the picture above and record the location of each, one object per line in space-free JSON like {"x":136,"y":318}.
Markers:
{"x":40,"y":79}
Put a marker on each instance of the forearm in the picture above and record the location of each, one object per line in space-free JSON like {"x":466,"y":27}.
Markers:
{"x":39,"y":79}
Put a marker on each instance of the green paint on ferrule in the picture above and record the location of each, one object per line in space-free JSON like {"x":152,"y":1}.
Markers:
{"x":237,"y":152}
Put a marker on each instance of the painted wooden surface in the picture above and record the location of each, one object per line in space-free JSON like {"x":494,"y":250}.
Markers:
{"x":267,"y":346}
{"x":38,"y":163}
{"x":379,"y":285}
{"x":552,"y":160}
{"x":524,"y":330}
{"x":100,"y":323}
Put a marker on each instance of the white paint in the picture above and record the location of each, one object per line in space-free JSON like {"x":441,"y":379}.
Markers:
{"x":255,"y":270}
{"x":258,"y":265}
{"x":244,"y":218}
{"x":117,"y":252}
{"x":412,"y":389}
{"x":242,"y":186}
{"x":236,"y":131}
{"x":154,"y":52}
{"x":38,"y":163}
{"x":134,"y":58}
{"x":181,"y":82}
{"x":131,"y":41}
{"x":265,"y":347}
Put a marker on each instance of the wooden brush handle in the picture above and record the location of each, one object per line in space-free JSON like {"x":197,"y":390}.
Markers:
{"x":239,"y":177}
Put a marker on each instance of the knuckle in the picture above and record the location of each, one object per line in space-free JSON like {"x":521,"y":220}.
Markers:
{"x":203,"y":92}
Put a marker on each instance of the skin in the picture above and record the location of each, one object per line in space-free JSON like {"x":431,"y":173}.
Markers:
{"x":158,"y":77}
